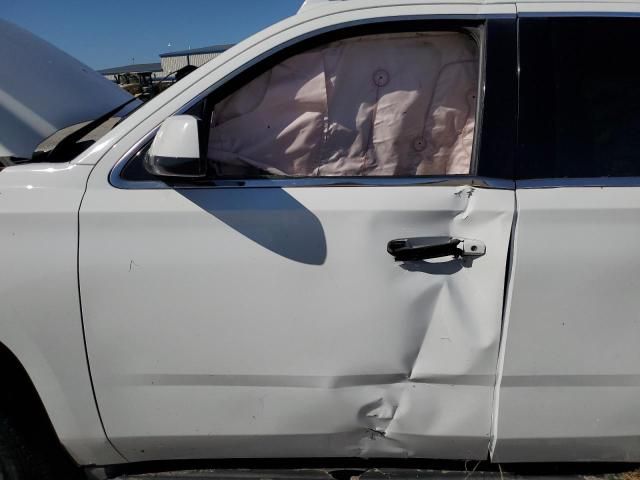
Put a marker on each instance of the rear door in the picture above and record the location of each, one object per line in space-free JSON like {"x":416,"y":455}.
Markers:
{"x":260,"y":314}
{"x":570,"y":385}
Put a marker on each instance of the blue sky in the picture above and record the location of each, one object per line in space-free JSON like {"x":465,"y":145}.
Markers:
{"x":109,"y":33}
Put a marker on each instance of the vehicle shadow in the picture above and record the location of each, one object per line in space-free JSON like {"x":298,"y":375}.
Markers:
{"x":268,"y":216}
{"x":433,"y":268}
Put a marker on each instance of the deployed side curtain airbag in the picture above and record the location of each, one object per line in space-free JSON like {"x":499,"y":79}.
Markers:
{"x":392,"y":104}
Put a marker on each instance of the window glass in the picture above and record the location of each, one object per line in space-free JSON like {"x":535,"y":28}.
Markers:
{"x":579,"y":98}
{"x":391,"y":104}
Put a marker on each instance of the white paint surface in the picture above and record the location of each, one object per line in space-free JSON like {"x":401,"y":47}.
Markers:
{"x":39,"y":306}
{"x":177,"y":137}
{"x":570,"y":386}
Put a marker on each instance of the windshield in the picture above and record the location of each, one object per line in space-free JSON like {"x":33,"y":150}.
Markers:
{"x":50,"y":143}
{"x":69,"y":142}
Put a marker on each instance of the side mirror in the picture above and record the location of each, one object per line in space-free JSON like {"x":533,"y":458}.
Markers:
{"x":175,"y":151}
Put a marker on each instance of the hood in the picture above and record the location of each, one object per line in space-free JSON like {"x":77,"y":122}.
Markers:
{"x":43,"y":90}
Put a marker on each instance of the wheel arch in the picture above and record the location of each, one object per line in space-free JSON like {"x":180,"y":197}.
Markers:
{"x":22,"y":403}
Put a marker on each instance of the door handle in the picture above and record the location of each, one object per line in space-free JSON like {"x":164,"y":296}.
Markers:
{"x":423,"y":248}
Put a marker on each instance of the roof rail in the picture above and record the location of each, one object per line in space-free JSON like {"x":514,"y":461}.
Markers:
{"x":315,"y":3}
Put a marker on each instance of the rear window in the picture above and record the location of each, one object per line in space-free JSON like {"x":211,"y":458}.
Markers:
{"x":579,"y":98}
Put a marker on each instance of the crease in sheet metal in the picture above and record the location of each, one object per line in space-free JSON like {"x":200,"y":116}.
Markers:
{"x":305,"y":381}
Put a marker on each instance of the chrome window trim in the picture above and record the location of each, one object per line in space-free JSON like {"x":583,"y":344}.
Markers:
{"x":482,"y":75}
{"x":593,"y":182}
{"x":115,"y":178}
{"x":314,"y":182}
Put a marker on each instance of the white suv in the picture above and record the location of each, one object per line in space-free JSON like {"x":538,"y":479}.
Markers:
{"x":378,"y":229}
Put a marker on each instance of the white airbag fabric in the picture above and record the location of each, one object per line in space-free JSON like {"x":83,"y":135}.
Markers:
{"x":392,"y":104}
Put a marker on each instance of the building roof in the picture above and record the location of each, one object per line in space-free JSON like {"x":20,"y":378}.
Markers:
{"x":134,"y":68}
{"x":196,"y":51}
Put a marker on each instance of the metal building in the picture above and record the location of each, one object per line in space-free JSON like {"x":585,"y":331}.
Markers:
{"x":174,"y":61}
{"x":121,"y":75}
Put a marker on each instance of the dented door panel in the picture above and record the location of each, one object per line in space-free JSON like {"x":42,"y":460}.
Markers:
{"x":268,"y":322}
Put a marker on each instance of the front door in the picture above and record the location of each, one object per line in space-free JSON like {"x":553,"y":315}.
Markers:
{"x":260,"y":313}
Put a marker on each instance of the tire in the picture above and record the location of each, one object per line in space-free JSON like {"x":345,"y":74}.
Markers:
{"x":26,"y":454}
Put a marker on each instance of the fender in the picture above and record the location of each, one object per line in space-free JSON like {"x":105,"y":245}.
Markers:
{"x":40,"y":316}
